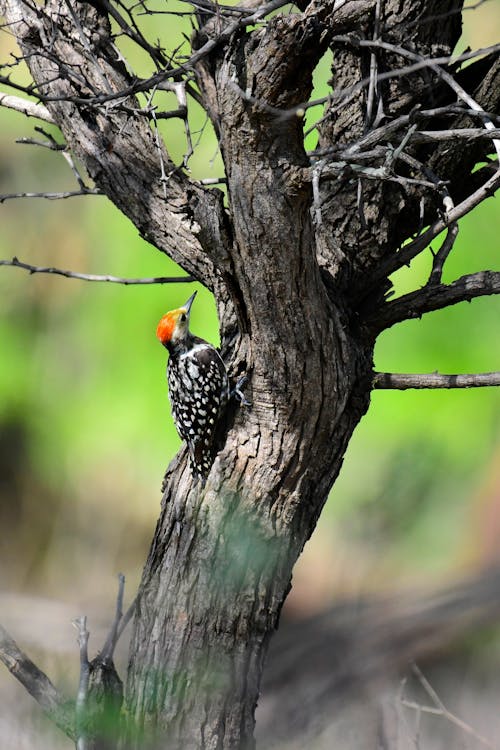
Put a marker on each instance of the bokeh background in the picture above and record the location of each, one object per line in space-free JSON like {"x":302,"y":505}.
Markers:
{"x":85,"y":427}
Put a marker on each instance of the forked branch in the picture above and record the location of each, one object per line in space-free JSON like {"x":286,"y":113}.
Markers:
{"x":435,"y":297}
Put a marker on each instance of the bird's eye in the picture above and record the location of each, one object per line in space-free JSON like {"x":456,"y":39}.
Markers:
{"x":183,"y":317}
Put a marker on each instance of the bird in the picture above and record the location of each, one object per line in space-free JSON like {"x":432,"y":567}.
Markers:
{"x":198,"y":387}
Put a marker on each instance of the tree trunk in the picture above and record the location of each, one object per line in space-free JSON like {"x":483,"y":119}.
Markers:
{"x":294,"y":272}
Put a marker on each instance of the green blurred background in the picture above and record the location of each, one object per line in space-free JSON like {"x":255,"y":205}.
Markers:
{"x":85,"y":427}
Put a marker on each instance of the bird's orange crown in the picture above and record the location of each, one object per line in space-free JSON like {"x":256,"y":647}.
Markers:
{"x":168,"y":324}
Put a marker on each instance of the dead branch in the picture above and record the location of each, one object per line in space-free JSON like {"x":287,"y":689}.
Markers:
{"x":403,"y":382}
{"x":50,"y":196}
{"x":439,"y":709}
{"x":38,"y":685}
{"x":30,"y":109}
{"x":83,"y":688}
{"x":15,"y":263}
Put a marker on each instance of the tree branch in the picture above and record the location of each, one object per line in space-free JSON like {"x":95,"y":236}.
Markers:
{"x":51,"y":196}
{"x":402,"y":381}
{"x":37,"y":684}
{"x":95,"y":277}
{"x":30,"y":109}
{"x":81,"y":708}
{"x":435,"y":297}
{"x":439,"y":709}
{"x":412,"y":249}
{"x":120,"y":153}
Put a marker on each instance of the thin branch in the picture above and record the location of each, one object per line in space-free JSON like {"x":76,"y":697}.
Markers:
{"x":30,"y":109}
{"x":404,"y":381}
{"x":435,"y":65}
{"x":51,"y":196}
{"x":44,"y":144}
{"x":386,"y":132}
{"x":435,"y":297}
{"x":95,"y":277}
{"x":109,"y":647}
{"x":173,"y":74}
{"x":126,"y":618}
{"x":440,"y":257}
{"x":134,"y":34}
{"x":467,"y":134}
{"x":83,"y":687}
{"x":342,"y":97}
{"x":439,"y":709}
{"x":38,"y":685}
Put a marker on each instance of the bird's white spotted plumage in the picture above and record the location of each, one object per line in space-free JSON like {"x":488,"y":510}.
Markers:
{"x":199,"y":391}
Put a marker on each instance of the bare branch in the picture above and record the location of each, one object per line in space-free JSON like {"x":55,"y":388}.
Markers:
{"x":44,"y":144}
{"x":443,"y":74}
{"x":405,"y":381}
{"x":342,"y":97}
{"x":30,"y":109}
{"x":51,"y":196}
{"x":412,"y":249}
{"x":174,"y":74}
{"x":38,"y":685}
{"x":95,"y":277}
{"x":109,"y":647}
{"x":134,"y":33}
{"x":466,"y":134}
{"x":435,"y":297}
{"x":83,"y":688}
{"x":439,"y":709}
{"x":126,"y":618}
{"x":123,"y":158}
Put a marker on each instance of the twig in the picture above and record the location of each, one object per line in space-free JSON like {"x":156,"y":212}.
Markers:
{"x":66,"y":154}
{"x":173,"y":74}
{"x":51,"y":196}
{"x":45,"y":144}
{"x":466,"y":134}
{"x":439,"y":709}
{"x":373,"y":84}
{"x":83,"y":687}
{"x":95,"y":277}
{"x":179,"y":89}
{"x":163,"y":174}
{"x":439,"y":258}
{"x":109,"y":646}
{"x":126,"y":618}
{"x":405,"y":381}
{"x":38,"y":685}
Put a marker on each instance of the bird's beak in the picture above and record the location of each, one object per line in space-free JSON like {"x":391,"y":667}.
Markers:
{"x":190,"y":302}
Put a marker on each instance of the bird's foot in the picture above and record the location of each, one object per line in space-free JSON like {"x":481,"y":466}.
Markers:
{"x":237,"y":392}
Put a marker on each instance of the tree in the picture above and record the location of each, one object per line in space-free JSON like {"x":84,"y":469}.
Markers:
{"x":297,"y":251}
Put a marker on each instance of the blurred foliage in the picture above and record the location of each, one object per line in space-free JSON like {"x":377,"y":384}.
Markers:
{"x":85,"y":428}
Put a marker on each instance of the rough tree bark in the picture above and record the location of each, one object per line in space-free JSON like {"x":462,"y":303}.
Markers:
{"x":295,"y":268}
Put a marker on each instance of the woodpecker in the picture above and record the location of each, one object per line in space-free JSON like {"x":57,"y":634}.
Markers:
{"x":198,"y":387}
